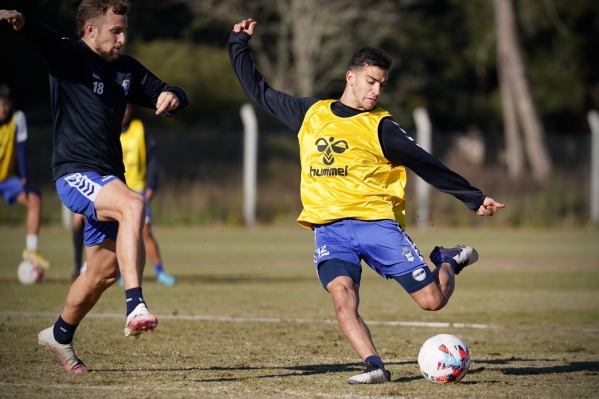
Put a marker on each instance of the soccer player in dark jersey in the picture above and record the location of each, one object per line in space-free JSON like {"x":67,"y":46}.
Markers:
{"x":353,"y":157}
{"x":90,"y":85}
{"x":15,"y":187}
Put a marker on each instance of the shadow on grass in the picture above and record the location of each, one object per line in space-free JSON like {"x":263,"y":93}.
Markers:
{"x":571,"y":367}
{"x":280,"y":372}
{"x":534,"y":369}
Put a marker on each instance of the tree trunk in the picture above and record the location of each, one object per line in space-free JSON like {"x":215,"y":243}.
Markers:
{"x":514,"y":155}
{"x":514,"y":75}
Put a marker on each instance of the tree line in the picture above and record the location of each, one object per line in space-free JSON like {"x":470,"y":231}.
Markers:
{"x":518,"y":68}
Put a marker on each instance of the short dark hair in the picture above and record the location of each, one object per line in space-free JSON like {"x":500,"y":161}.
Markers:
{"x":368,"y":56}
{"x":5,"y":91}
{"x":92,"y":9}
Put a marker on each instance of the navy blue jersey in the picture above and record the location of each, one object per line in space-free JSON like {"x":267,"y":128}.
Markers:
{"x":89,"y":97}
{"x":397,"y":146}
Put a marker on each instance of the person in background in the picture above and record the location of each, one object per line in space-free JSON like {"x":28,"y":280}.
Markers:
{"x":141,"y":174}
{"x":91,"y":83}
{"x":14,"y":180}
{"x":353,"y":157}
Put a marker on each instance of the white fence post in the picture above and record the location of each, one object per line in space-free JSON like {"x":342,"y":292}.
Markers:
{"x":250,"y":161}
{"x":66,"y":217}
{"x":423,"y":137}
{"x":593,"y":118}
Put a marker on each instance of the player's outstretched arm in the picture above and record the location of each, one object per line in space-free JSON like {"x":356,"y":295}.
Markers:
{"x":489,"y":207}
{"x":13,"y":17}
{"x":247,"y":25}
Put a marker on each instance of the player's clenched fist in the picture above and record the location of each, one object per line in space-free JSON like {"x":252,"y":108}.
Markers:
{"x":13,"y":17}
{"x":247,"y":25}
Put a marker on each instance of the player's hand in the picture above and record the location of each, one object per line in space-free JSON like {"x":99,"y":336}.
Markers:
{"x":167,"y":101}
{"x":148,"y":194}
{"x":247,"y":25}
{"x":13,"y":17}
{"x":489,"y":207}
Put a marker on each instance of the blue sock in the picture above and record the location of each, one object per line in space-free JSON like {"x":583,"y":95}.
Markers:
{"x":374,"y":360}
{"x":452,"y":262}
{"x":134,"y":298}
{"x":158,"y":268}
{"x":63,"y":331}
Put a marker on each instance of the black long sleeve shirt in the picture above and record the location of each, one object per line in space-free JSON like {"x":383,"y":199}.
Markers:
{"x":88,"y":98}
{"x":396,"y":145}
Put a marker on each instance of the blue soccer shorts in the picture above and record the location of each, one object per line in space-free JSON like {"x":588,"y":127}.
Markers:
{"x":11,"y":188}
{"x":381,"y":244}
{"x":78,"y":192}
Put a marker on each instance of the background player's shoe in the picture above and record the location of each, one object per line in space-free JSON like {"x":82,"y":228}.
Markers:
{"x":140,"y":320}
{"x":166,"y":279}
{"x":372,"y":375}
{"x":36,"y":257}
{"x":462,"y":255}
{"x":65,"y":353}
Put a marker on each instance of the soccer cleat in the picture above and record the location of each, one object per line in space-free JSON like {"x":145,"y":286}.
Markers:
{"x":372,"y":375}
{"x":166,"y":279}
{"x":37,"y":258}
{"x":462,"y":255}
{"x":140,"y":320}
{"x":65,"y":353}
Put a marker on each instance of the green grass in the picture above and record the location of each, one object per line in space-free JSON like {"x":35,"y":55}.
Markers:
{"x":537,"y":290}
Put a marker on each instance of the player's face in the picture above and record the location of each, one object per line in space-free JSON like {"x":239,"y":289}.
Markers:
{"x":5,"y":106}
{"x":110,"y":36}
{"x":366,"y":85}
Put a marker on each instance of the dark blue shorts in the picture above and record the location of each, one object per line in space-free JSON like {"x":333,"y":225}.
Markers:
{"x":78,"y":192}
{"x":381,"y":244}
{"x":10,"y":188}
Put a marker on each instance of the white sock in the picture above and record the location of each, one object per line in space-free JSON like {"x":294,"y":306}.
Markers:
{"x":32,"y":241}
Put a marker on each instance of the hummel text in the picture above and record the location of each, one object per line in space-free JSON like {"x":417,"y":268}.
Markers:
{"x":329,"y":171}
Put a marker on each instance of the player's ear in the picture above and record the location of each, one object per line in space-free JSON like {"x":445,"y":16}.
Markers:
{"x":350,"y":77}
{"x":90,"y":30}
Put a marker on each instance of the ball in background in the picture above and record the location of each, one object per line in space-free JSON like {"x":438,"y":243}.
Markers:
{"x":443,"y":359}
{"x":30,"y":273}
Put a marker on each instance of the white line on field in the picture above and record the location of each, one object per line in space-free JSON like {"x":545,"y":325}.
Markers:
{"x":243,"y":319}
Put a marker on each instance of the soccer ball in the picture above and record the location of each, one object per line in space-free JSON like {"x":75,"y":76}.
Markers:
{"x":30,"y":273}
{"x":443,"y":359}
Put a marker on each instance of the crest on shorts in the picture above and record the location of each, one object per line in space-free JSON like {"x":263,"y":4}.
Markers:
{"x":408,"y":254}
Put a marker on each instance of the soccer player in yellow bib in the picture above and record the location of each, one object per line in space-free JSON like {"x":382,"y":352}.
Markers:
{"x":141,"y":174}
{"x":353,"y":157}
{"x":14,"y":186}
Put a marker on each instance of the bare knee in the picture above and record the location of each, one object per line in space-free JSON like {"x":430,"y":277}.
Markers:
{"x":102,"y":281}
{"x":30,"y":199}
{"x":344,"y":294}
{"x":135,"y":206}
{"x":433,"y":305}
{"x":430,"y":298}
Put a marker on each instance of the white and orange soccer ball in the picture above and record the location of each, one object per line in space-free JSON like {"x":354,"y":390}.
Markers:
{"x":30,"y":273}
{"x":444,"y":359}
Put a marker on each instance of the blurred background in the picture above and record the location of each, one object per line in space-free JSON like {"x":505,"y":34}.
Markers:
{"x":508,"y":86}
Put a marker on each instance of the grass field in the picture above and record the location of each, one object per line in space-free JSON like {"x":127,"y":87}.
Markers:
{"x":249,"y":319}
